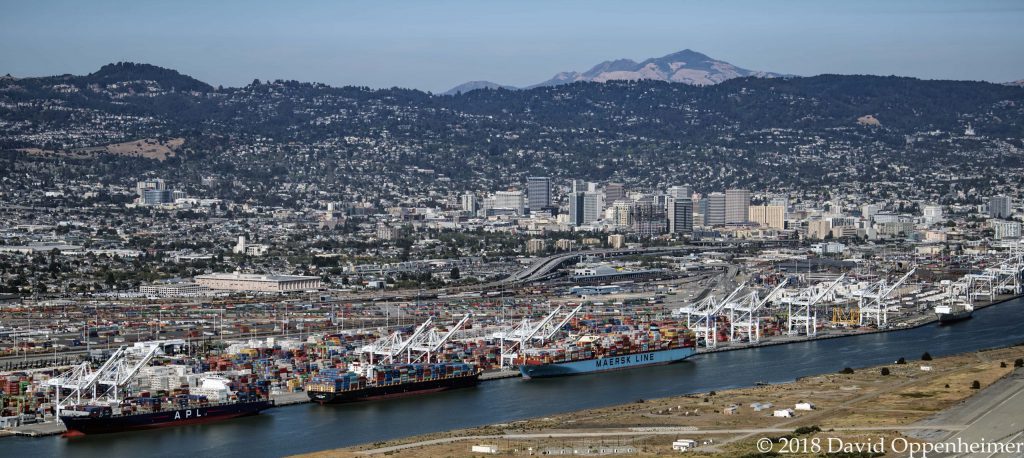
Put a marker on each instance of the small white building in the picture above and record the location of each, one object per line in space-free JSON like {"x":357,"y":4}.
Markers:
{"x":804,"y":406}
{"x":783,"y":413}
{"x":488,"y":449}
{"x":682,"y":445}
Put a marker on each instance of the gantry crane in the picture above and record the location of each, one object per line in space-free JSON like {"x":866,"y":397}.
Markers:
{"x":873,"y":303}
{"x":744,"y":318}
{"x":519,"y":337}
{"x":106,"y":384}
{"x":804,"y":303}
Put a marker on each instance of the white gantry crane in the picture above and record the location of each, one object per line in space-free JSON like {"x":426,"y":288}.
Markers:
{"x":108,"y":383}
{"x":428,"y":343}
{"x":874,"y":300}
{"x":424,"y":342}
{"x":744,"y":318}
{"x":519,"y":337}
{"x":800,"y":308}
{"x":701,"y":317}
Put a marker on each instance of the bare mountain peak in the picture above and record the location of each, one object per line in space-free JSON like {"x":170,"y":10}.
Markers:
{"x":686,"y":66}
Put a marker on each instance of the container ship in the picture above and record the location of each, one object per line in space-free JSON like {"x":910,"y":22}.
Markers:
{"x":150,"y":413}
{"x":954,"y":312}
{"x":372,"y":382}
{"x":601,"y":353}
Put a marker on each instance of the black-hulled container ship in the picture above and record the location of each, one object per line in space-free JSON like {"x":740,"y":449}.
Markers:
{"x":366,"y":383}
{"x":100,"y":419}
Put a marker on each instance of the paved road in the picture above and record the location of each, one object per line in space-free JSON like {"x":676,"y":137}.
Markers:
{"x":993,"y":415}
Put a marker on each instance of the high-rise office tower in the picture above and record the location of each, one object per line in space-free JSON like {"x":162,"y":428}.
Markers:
{"x":469,"y":203}
{"x":648,"y":218}
{"x":579,"y":186}
{"x":680,"y":192}
{"x":737,"y":206}
{"x":538,"y":191}
{"x":614,"y":192}
{"x":623,"y":212}
{"x":715,"y":212}
{"x":593,"y":205}
{"x":1000,"y":207}
{"x":577,"y":203}
{"x":680,"y":215}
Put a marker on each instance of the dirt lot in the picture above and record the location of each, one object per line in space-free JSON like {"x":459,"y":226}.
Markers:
{"x":147,"y":147}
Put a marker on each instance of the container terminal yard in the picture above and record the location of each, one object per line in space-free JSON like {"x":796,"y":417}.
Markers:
{"x":54,"y":353}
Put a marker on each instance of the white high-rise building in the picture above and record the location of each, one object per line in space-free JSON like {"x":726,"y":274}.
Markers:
{"x":469,"y":203}
{"x":508,"y":200}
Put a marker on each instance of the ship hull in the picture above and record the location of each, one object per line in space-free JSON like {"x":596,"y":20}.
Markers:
{"x":611,"y":363}
{"x":394,"y":391}
{"x":77,"y":425}
{"x":953,"y":317}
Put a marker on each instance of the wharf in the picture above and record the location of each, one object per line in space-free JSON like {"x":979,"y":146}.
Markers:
{"x":500,"y":374}
{"x":50,"y":428}
{"x":289,"y":398}
{"x":911,"y":323}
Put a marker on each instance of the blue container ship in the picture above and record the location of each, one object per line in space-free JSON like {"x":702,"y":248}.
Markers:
{"x":620,"y":351}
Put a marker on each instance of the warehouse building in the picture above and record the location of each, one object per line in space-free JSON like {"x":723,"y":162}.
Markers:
{"x":256,"y":282}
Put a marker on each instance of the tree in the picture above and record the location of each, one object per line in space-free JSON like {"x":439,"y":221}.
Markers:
{"x":975,"y":385}
{"x":455,"y":275}
{"x":926,"y":356}
{"x":1019,"y":362}
{"x":885,"y":371}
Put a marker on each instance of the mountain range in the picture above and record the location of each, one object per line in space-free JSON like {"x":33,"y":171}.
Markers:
{"x":686,"y":66}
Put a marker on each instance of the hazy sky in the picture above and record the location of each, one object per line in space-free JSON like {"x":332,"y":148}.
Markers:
{"x":434,"y":45}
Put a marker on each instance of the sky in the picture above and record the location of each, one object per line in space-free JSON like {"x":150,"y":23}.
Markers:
{"x":435,"y":45}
